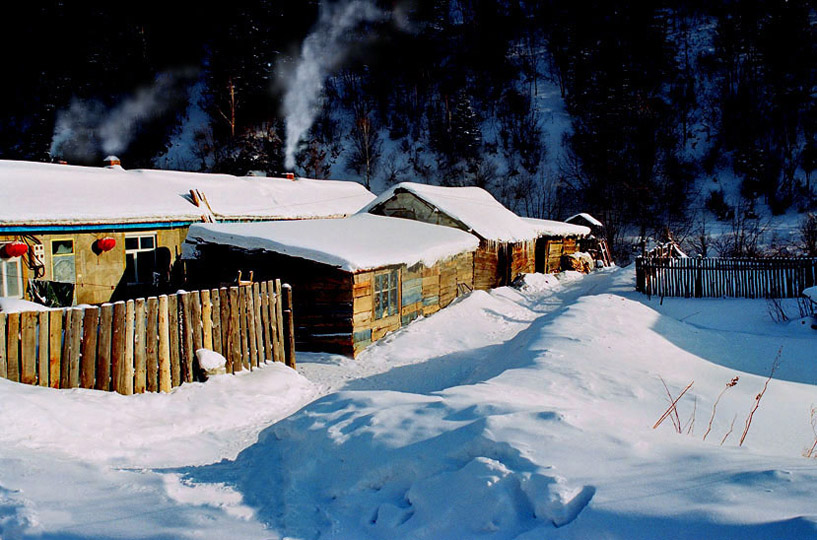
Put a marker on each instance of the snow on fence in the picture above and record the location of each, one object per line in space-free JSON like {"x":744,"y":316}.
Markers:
{"x":719,"y":277}
{"x":148,"y":344}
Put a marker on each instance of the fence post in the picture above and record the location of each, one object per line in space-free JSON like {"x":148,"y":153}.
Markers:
{"x":103,"y":353}
{"x":76,"y":343}
{"x":215,"y":300}
{"x":259,"y":328}
{"x":206,"y":320}
{"x":233,"y":346}
{"x":639,"y":274}
{"x":90,"y":330}
{"x":187,"y":336}
{"x":28,"y":347}
{"x":289,"y":326}
{"x":151,"y":344}
{"x":173,"y":340}
{"x":130,"y":364}
{"x":139,"y":356}
{"x":42,"y":355}
{"x":118,"y":368}
{"x":164,"y":345}
{"x":279,"y":316}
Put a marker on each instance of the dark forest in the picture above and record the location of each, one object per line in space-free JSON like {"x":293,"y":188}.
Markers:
{"x":660,"y":97}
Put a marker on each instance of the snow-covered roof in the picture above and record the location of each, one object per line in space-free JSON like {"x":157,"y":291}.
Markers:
{"x":359,"y":242}
{"x":547,"y":227}
{"x":51,"y":194}
{"x":587,"y":217}
{"x":472,"y":206}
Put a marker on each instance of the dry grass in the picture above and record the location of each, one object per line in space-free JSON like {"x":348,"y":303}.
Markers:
{"x":758,"y":397}
{"x":672,"y":409}
{"x":729,"y":385}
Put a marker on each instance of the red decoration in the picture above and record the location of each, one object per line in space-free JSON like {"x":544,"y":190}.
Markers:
{"x":15,"y":249}
{"x":106,"y":244}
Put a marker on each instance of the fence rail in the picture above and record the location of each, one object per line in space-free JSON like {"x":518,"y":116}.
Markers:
{"x":719,"y":277}
{"x":147,"y":344}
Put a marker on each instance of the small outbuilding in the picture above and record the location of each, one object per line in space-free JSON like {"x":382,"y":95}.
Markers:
{"x":354,"y":279}
{"x":555,"y":240}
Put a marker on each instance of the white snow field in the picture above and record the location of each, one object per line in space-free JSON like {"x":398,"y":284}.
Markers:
{"x":521,"y":413}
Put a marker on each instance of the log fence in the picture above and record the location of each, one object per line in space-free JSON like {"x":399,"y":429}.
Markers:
{"x":148,"y":344}
{"x":696,"y":277}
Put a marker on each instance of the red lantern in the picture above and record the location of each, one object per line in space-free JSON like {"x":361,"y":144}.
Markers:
{"x":15,"y":249}
{"x":106,"y":244}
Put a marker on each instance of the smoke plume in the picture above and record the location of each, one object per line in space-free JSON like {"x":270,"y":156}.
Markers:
{"x":322,"y":52}
{"x":89,"y":127}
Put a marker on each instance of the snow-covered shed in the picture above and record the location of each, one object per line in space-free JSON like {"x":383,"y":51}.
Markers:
{"x":507,"y":243}
{"x":556,"y":239}
{"x":92,"y":234}
{"x":586,"y":220}
{"x":353,"y":279}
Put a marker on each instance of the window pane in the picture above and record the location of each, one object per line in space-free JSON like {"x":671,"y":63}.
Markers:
{"x":378,"y":306}
{"x":146,"y":242}
{"x":131,"y":242}
{"x":393,"y":301}
{"x":64,"y":269}
{"x":12,"y":278}
{"x":145,"y":266}
{"x":130,"y":268}
{"x":62,"y":247}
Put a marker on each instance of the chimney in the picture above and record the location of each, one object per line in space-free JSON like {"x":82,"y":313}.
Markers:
{"x":289,"y":176}
{"x":112,"y":162}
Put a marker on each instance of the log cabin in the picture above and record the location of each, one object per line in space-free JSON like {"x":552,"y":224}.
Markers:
{"x":354,"y":279}
{"x":508,"y":244}
{"x":87,"y":235}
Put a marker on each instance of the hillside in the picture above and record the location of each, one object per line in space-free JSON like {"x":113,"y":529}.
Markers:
{"x":635,"y":114}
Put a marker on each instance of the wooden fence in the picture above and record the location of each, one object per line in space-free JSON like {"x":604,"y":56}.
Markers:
{"x":720,"y":277}
{"x":148,"y":344}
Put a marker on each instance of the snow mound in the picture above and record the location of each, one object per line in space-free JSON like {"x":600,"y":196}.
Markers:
{"x":210,"y":361}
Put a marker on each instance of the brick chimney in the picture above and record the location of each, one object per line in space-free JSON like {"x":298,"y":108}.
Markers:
{"x":112,"y":162}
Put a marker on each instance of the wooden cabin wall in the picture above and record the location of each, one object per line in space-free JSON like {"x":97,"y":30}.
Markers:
{"x":98,"y":276}
{"x":569,"y":246}
{"x":553,"y":260}
{"x":367,"y":329}
{"x":523,"y":258}
{"x":408,"y":206}
{"x":486,"y":266}
{"x":423,"y":291}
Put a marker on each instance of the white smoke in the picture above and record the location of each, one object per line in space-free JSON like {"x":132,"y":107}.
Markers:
{"x":88,"y":126}
{"x":321,"y":53}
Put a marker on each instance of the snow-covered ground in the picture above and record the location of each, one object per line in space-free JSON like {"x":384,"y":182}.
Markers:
{"x":520,"y":413}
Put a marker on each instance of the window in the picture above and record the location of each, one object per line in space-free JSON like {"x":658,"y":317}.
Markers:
{"x":140,"y":259}
{"x":11,"y":278}
{"x":63,"y":263}
{"x":386,"y":300}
